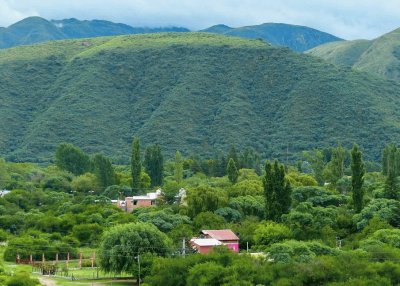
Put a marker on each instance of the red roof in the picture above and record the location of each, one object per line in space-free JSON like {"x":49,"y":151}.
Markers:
{"x":221,"y":234}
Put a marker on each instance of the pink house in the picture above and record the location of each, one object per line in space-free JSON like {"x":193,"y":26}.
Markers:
{"x":131,"y":203}
{"x":210,"y":238}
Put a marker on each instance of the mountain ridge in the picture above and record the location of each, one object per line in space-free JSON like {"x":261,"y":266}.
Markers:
{"x":198,"y":93}
{"x":296,"y":37}
{"x":380,"y":56}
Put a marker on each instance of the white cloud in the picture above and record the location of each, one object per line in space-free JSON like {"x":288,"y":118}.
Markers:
{"x":348,"y":19}
{"x":10,"y":15}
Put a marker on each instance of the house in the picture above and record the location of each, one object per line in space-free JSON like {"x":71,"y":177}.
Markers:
{"x":131,"y":203}
{"x":208,"y":239}
{"x":204,"y":245}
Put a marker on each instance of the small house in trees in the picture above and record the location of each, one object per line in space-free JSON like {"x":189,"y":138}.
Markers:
{"x":208,"y":239}
{"x":131,"y":203}
{"x":204,"y":245}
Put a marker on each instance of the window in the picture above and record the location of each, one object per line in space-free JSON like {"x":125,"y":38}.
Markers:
{"x":135,"y":202}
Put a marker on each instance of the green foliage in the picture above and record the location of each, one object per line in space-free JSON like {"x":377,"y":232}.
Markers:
{"x":384,"y":209}
{"x":208,"y":220}
{"x":165,"y":219}
{"x":316,"y":159}
{"x":136,"y":165}
{"x":270,"y":232}
{"x":277,"y":191}
{"x":249,"y":205}
{"x":121,"y":245}
{"x":232,"y":171}
{"x":357,"y":178}
{"x":72,"y":159}
{"x":55,"y":76}
{"x":205,"y":198}
{"x":245,"y":187}
{"x":22,"y":279}
{"x":103,"y":170}
{"x":86,"y":183}
{"x":229,"y":214}
{"x":26,"y":245}
{"x":154,"y":164}
{"x":206,"y":274}
{"x":299,"y":251}
{"x":178,"y":167}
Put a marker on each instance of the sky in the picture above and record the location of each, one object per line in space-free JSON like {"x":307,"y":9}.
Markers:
{"x":348,"y":19}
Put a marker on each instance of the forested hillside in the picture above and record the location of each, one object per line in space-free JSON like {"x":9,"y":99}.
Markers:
{"x":194,"y":92}
{"x":380,"y":56}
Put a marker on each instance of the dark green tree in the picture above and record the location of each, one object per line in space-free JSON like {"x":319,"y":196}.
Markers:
{"x":154,"y":164}
{"x":136,"y":165}
{"x":103,"y":170}
{"x":316,"y":159}
{"x":277,"y":191}
{"x":233,"y":155}
{"x":72,"y":159}
{"x":357,"y":178}
{"x":178,"y":167}
{"x":232,"y":171}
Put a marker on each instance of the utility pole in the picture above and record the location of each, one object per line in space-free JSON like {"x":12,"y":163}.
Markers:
{"x":138,"y":259}
{"x":183,"y":247}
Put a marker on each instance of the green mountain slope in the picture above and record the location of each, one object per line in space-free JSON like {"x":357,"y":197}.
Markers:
{"x":193,"y":92}
{"x":380,"y":56}
{"x":297,"y":38}
{"x":35,"y":30}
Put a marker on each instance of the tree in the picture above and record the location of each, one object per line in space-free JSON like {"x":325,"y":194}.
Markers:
{"x":178,"y":167}
{"x":233,"y":155}
{"x":337,"y":163}
{"x":154,"y":164}
{"x":357,"y":178}
{"x":232,"y":171}
{"x":205,"y":198}
{"x":277,"y":191}
{"x":86,"y":183}
{"x":72,"y":159}
{"x":316,"y":159}
{"x":4,"y":176}
{"x":122,"y":244}
{"x":136,"y":165}
{"x":103,"y":170}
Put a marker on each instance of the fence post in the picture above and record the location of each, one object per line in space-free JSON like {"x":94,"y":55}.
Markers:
{"x":30,"y":259}
{"x":80,"y":261}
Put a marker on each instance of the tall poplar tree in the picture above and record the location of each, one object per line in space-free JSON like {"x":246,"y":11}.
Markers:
{"x":136,"y":165}
{"x":277,"y":191}
{"x":357,"y":178}
{"x":232,"y":171}
{"x":103,"y":170}
{"x":178,"y":167}
{"x":154,"y":164}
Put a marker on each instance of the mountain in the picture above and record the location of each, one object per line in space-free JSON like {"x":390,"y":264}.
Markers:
{"x":35,"y":30}
{"x":297,"y":38}
{"x":380,"y":56}
{"x":194,"y":92}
